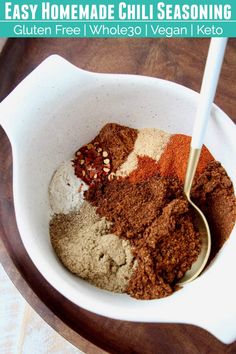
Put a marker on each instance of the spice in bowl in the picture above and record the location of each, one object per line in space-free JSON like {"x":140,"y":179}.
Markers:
{"x":127,"y":226}
{"x":92,"y":163}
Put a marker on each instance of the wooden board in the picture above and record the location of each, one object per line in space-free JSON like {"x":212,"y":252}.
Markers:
{"x":179,"y":60}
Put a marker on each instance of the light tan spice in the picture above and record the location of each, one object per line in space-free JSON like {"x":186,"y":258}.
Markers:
{"x":150,"y":142}
{"x":84,"y":245}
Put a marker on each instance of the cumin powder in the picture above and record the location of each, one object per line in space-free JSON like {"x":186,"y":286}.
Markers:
{"x":84,"y":244}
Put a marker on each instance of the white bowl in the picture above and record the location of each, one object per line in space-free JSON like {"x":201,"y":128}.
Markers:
{"x":58,"y":108}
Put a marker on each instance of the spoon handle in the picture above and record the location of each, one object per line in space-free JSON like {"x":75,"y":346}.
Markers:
{"x":208,"y":89}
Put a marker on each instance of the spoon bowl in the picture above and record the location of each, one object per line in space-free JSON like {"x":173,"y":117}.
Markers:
{"x":201,"y":223}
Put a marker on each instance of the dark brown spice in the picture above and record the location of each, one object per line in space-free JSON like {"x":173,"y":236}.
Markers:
{"x":96,"y":161}
{"x":118,"y":141}
{"x":155,"y":216}
{"x":214,"y":194}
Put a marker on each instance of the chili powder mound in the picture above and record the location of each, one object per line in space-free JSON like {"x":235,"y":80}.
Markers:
{"x":173,"y":161}
{"x":155,"y":217}
{"x":147,"y":167}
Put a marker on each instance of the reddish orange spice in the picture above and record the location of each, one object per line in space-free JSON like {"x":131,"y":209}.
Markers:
{"x":147,"y":167}
{"x":173,"y":161}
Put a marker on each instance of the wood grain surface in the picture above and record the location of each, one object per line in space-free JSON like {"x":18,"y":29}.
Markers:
{"x":179,"y":60}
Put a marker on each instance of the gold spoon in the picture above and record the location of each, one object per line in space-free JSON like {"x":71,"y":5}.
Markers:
{"x":207,"y":94}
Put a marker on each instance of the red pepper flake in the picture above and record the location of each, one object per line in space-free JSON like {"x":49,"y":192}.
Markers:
{"x":90,"y":165}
